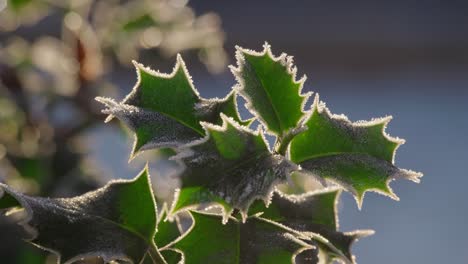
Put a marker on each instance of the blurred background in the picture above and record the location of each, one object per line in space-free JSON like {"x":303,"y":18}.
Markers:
{"x":367,"y":59}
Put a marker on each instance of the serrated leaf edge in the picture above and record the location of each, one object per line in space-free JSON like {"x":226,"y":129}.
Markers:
{"x":180,"y":64}
{"x":357,"y":234}
{"x":33,"y":232}
{"x":111,"y":104}
{"x":156,"y":73}
{"x":165,"y":211}
{"x":320,"y":107}
{"x":185,"y":151}
{"x":285,"y":60}
{"x":290,"y":233}
{"x":340,"y":256}
{"x":234,"y":94}
{"x":301,"y":197}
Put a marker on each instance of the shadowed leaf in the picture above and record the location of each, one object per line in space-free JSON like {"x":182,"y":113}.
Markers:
{"x":165,"y":110}
{"x":231,"y":166}
{"x":168,"y":230}
{"x":315,"y":213}
{"x":256,"y":241}
{"x":115,"y":222}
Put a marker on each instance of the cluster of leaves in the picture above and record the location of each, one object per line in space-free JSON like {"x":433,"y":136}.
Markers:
{"x":48,"y":83}
{"x":55,"y":58}
{"x":228,"y":185}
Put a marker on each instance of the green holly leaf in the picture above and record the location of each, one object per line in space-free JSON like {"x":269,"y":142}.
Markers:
{"x":314,"y":213}
{"x":359,"y":156}
{"x":168,"y":229}
{"x":255,"y":241}
{"x":232,"y":166}
{"x":165,"y":110}
{"x":269,"y":85}
{"x":115,"y":222}
{"x":211,"y":109}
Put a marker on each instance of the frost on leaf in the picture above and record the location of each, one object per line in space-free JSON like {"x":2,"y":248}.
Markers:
{"x":255,"y":241}
{"x":165,"y":110}
{"x":232,"y":166}
{"x":269,"y":85}
{"x":209,"y":110}
{"x":315,"y":215}
{"x":152,"y":129}
{"x":115,"y":222}
{"x":359,"y":156}
{"x":167,"y":231}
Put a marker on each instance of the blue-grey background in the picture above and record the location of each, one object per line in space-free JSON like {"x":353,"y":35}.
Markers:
{"x":369,"y":59}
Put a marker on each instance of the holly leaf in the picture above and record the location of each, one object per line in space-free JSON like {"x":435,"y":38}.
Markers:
{"x":168,"y":229}
{"x":115,"y":222}
{"x":231,"y":166}
{"x":210,"y":110}
{"x":269,"y":85}
{"x":165,"y":110}
{"x":314,"y":213}
{"x":359,"y":156}
{"x":255,"y":241}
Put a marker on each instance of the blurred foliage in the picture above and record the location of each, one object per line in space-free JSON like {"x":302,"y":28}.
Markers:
{"x":48,"y":83}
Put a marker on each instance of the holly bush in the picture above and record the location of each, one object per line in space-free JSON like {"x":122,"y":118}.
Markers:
{"x":239,"y":199}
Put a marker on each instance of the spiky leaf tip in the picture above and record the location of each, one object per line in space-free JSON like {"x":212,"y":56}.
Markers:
{"x":232,"y":166}
{"x":115,"y":222}
{"x":269,"y":85}
{"x":165,"y":110}
{"x":315,"y":215}
{"x":359,"y":156}
{"x":257,"y":241}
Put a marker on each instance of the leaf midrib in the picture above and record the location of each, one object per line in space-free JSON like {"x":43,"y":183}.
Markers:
{"x":280,"y":126}
{"x":181,"y":121}
{"x":80,"y":213}
{"x":331,"y":154}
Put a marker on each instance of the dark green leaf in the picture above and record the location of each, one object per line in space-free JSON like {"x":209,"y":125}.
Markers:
{"x":172,"y":256}
{"x":165,"y":110}
{"x":269,"y":85}
{"x":168,"y":230}
{"x":232,"y":166}
{"x":314,"y":212}
{"x":359,"y":156}
{"x":256,"y":241}
{"x":210,"y":110}
{"x":117,"y":221}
